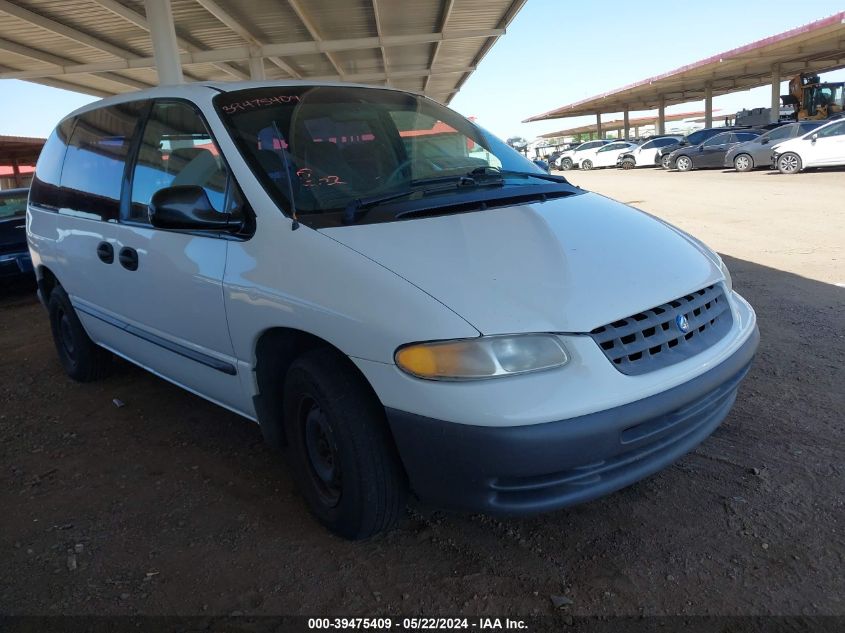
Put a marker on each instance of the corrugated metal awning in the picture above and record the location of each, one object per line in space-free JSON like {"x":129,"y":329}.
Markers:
{"x":815,"y":47}
{"x":102,"y":47}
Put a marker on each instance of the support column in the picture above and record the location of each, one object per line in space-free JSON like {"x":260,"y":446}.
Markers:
{"x":256,"y":68}
{"x":637,"y":131}
{"x":661,"y":116}
{"x":774,"y":114}
{"x":627,"y":126}
{"x":163,"y":36}
{"x":598,"y":124}
{"x":708,"y":104}
{"x":16,"y":173}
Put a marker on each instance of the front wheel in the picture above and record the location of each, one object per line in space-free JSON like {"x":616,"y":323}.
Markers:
{"x":789,"y":163}
{"x":743,"y":162}
{"x":627,"y":164}
{"x":683,"y":163}
{"x":587,"y":164}
{"x":340,"y":448}
{"x":566,"y":164}
{"x":665,"y":163}
{"x":82,"y":359}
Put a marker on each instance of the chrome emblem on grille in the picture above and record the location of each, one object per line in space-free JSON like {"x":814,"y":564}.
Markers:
{"x":682,"y":323}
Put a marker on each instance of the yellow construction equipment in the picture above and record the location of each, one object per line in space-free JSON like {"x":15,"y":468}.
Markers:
{"x":813,"y":99}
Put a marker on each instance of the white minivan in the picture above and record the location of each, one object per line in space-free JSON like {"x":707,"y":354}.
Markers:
{"x":821,"y":147}
{"x":401,"y":301}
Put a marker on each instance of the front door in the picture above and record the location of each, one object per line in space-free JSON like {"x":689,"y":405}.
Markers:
{"x":828,"y":148}
{"x":165,"y":291}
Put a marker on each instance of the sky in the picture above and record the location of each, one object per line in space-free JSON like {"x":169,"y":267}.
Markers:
{"x":554,"y":53}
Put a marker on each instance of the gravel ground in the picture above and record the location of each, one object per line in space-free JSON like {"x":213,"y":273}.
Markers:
{"x":170,"y":505}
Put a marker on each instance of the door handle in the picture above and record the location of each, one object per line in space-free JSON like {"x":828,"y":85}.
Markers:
{"x":128,"y":258}
{"x":105,"y":252}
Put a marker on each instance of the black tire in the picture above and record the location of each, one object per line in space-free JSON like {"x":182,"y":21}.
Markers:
{"x":628,"y":164}
{"x":743,"y":162}
{"x":339,"y":446}
{"x":566,"y":164}
{"x":789,"y":163}
{"x":586,"y":164}
{"x":82,"y":358}
{"x":683,"y":163}
{"x":665,"y":163}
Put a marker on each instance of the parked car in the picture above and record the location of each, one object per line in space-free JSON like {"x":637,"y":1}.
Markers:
{"x":399,"y":309}
{"x":821,"y":147}
{"x":693,"y":138}
{"x":572,"y":157}
{"x":602,"y":156}
{"x":710,"y":153}
{"x":646,"y":153}
{"x":15,"y":261}
{"x":758,"y":151}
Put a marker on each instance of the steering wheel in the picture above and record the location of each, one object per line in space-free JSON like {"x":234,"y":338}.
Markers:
{"x":407,"y":163}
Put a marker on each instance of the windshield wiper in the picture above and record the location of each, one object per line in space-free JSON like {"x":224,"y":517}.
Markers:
{"x":358,"y":208}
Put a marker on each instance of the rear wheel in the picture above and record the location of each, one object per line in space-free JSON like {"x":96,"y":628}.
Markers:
{"x":82,"y":358}
{"x":587,"y":164}
{"x":789,"y":163}
{"x":743,"y":162}
{"x":683,"y":163}
{"x":340,"y":448}
{"x":566,"y":164}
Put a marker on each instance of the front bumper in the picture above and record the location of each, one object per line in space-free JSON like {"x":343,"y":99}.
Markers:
{"x":541,"y":467}
{"x":15,"y":264}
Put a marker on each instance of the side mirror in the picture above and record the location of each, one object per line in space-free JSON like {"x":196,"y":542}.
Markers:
{"x":814,"y":137}
{"x":187,"y":208}
{"x":701,"y":148}
{"x":764,"y":141}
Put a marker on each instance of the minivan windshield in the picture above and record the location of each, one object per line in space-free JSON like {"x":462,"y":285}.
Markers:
{"x":320,"y":149}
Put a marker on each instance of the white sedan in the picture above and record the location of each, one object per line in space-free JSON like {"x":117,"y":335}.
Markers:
{"x":821,"y":147}
{"x":604,"y":156}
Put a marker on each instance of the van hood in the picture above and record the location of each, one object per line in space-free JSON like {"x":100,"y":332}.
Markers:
{"x":564,"y":265}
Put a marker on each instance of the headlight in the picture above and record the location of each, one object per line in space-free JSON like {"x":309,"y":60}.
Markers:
{"x":479,"y":358}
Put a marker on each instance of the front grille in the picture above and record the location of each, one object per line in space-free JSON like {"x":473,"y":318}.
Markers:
{"x":652,"y":340}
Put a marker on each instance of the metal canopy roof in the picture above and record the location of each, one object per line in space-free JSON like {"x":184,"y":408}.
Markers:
{"x":815,"y":47}
{"x":19,"y":149}
{"x":103,"y":47}
{"x":619,"y":124}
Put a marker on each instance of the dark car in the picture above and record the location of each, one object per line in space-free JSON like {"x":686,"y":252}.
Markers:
{"x":758,"y":152}
{"x":14,"y":253}
{"x":693,"y":138}
{"x":710,"y":153}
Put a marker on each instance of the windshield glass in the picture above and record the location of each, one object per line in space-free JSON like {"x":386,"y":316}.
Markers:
{"x":12,"y":205}
{"x":317,"y":149}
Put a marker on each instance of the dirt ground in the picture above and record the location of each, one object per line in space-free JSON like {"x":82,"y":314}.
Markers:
{"x":171,"y":505}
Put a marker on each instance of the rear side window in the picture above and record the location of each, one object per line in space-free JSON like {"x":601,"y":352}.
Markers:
{"x":44,"y":191}
{"x":663,"y":142}
{"x":176,"y":149}
{"x":745,"y":136}
{"x":92,"y":175}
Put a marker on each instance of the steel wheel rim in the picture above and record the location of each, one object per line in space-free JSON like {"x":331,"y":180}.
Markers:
{"x":741,"y":162}
{"x":320,"y":451}
{"x":789,"y":163}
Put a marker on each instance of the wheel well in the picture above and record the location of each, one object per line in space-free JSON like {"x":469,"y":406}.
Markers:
{"x":275,"y":352}
{"x":47,"y":282}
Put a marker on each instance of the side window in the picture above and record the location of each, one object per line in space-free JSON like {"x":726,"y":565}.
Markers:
{"x":785,"y":131}
{"x":92,"y":175}
{"x":650,"y":145}
{"x":835,"y":129}
{"x":719,"y":139}
{"x":44,"y":190}
{"x":741,"y":137}
{"x":176,"y":149}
